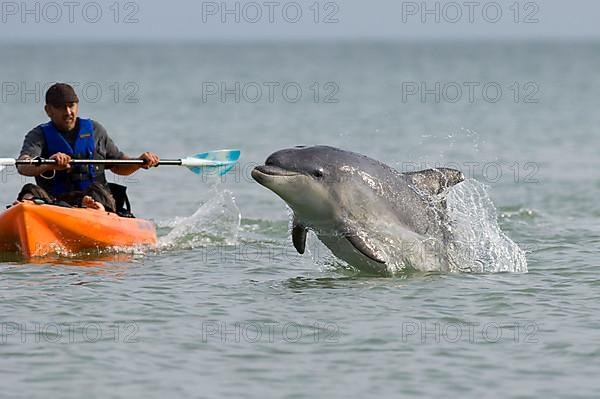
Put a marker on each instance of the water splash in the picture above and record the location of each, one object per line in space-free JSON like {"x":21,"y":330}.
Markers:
{"x":215,"y":222}
{"x":323,"y":257}
{"x":478,"y":243}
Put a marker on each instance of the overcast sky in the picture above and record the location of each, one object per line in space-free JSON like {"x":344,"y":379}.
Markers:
{"x":300,"y":19}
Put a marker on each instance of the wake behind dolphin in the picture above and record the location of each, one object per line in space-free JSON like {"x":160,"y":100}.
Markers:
{"x":367,"y":213}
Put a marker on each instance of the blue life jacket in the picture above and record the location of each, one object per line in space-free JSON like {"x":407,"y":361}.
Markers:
{"x":80,"y":177}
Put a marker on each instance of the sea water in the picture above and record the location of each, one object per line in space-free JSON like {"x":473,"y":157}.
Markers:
{"x":226,"y":307}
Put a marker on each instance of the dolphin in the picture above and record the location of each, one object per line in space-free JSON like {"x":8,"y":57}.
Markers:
{"x":368,"y":214}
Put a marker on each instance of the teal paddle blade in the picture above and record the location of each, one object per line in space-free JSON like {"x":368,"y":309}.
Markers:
{"x":213,"y":162}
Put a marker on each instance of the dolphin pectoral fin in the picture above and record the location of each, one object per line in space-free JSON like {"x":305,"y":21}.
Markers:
{"x":364,"y":247}
{"x":435,"y":181}
{"x":299,"y":237}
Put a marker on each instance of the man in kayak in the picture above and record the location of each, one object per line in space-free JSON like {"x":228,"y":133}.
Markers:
{"x":67,"y":137}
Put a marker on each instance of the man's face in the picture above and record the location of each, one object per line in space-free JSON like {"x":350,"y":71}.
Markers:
{"x":64,"y":117}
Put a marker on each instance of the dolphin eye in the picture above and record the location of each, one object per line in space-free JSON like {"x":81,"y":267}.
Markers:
{"x":318,"y":172}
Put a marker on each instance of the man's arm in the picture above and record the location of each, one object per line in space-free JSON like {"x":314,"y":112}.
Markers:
{"x":125,"y":170}
{"x":62,"y":163}
{"x":32,"y":148}
{"x":111,"y":151}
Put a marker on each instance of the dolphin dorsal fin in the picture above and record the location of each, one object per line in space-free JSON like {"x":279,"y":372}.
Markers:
{"x":435,"y":181}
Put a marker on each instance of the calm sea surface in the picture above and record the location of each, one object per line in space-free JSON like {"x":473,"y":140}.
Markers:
{"x":225,"y":307}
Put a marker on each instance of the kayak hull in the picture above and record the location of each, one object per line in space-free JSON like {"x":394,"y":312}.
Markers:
{"x":39,"y":230}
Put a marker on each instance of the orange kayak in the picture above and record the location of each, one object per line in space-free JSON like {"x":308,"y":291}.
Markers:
{"x":39,"y":230}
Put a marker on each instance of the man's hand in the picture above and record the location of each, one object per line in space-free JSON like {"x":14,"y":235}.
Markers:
{"x":150,"y":160}
{"x":62,"y":161}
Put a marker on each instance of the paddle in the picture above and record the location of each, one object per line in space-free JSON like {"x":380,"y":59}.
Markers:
{"x":221,"y":161}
